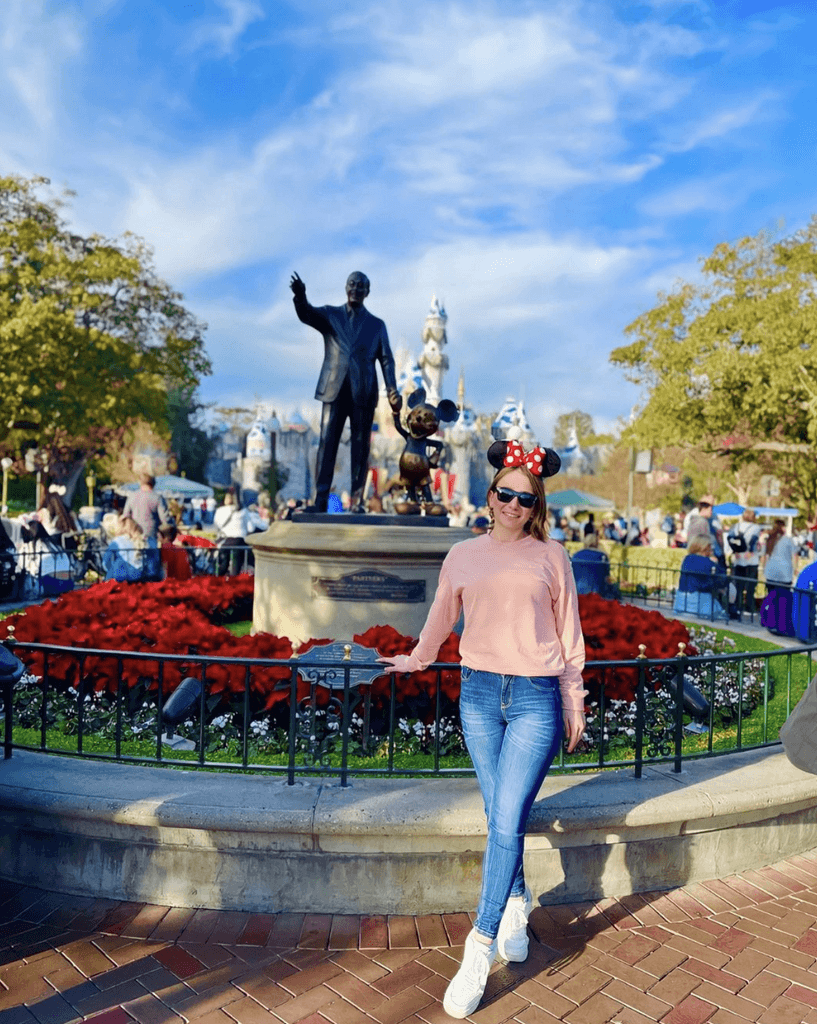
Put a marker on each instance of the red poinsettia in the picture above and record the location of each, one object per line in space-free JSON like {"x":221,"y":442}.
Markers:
{"x":185,"y":616}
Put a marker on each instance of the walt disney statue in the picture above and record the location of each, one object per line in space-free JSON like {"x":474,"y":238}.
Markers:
{"x":354,"y":341}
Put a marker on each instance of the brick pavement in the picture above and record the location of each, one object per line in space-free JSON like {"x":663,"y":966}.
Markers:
{"x":728,"y":951}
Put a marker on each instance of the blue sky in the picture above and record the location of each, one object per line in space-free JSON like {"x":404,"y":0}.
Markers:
{"x":545,"y":168}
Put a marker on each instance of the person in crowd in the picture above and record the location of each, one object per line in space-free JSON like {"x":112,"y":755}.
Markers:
{"x":744,"y":540}
{"x":700,"y":581}
{"x":47,"y":565}
{"x":256,"y":521}
{"x":55,"y":516}
{"x":778,"y":571}
{"x":590,"y":525}
{"x":175,"y":560}
{"x":480,"y":524}
{"x":147,"y":508}
{"x":556,"y":532}
{"x":232,"y":524}
{"x":176,"y":510}
{"x":633,"y":536}
{"x":8,"y":561}
{"x":522,"y":655}
{"x":703,"y":521}
{"x":591,"y":567}
{"x":778,"y":555}
{"x":127,"y":555}
{"x":778,"y":567}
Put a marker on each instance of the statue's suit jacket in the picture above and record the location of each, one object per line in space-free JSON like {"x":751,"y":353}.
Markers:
{"x":351,"y":350}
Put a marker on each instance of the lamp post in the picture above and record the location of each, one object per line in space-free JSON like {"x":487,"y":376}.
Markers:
{"x":90,"y":482}
{"x":6,"y":463}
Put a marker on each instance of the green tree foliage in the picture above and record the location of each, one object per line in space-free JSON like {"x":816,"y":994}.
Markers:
{"x":189,"y":441}
{"x":730,"y":364}
{"x":561,"y":428}
{"x":90,"y":336}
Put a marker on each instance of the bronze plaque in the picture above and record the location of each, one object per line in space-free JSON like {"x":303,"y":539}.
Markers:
{"x":370,"y":585}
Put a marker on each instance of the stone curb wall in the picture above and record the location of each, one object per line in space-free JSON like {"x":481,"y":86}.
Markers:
{"x":388,"y":846}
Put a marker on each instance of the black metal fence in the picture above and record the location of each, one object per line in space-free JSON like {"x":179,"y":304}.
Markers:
{"x":338,"y":718}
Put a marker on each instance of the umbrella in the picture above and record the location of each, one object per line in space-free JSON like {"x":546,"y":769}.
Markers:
{"x":579,"y":500}
{"x":172,"y":487}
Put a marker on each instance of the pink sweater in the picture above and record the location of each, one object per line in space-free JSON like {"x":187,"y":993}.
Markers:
{"x":521,"y":613}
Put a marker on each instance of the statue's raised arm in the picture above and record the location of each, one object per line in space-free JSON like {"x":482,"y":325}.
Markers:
{"x":298,"y":287}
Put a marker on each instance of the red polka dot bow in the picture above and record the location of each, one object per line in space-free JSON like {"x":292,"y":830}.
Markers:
{"x":533,"y":460}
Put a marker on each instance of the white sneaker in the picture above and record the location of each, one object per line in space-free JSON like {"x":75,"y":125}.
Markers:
{"x":467,"y":986}
{"x":512,"y":940}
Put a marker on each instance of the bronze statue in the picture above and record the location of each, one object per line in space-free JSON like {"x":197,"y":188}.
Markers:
{"x":416,"y":464}
{"x":354,"y":341}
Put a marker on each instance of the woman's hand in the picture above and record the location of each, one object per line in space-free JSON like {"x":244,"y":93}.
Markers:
{"x":574,"y":727}
{"x":395,"y":664}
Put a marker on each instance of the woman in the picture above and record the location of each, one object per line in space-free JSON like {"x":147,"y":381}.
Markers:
{"x":779,"y":566}
{"x":47,"y":565}
{"x":778,"y":572}
{"x":522,"y":658}
{"x":744,"y":540}
{"x":124,"y":558}
{"x":55,"y":516}
{"x":700,"y":581}
{"x":233,"y":526}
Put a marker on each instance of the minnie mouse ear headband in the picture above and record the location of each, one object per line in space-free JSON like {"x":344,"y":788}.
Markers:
{"x":540,"y":461}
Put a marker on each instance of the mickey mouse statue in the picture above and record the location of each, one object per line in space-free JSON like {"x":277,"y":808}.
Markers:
{"x":415,"y":464}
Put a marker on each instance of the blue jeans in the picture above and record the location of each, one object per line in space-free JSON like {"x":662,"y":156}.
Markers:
{"x":512,"y":727}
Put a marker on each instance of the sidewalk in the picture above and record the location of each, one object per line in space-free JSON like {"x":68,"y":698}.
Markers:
{"x":728,"y":951}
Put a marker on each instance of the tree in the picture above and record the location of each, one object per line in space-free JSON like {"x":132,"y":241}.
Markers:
{"x":189,"y":441}
{"x":561,"y":429}
{"x":134,"y":437}
{"x":730,"y":364}
{"x":91,"y":337}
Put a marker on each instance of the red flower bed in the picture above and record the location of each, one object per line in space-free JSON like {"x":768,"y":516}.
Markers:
{"x":613,"y":631}
{"x":185,"y":617}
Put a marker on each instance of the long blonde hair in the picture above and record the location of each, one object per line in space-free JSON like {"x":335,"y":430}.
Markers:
{"x":537,"y":526}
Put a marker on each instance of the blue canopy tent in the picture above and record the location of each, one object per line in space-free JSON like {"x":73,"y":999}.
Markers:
{"x":731,"y":508}
{"x":728,"y":508}
{"x":579,"y":501}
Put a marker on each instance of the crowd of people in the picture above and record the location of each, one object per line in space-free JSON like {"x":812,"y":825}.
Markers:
{"x":143,"y":537}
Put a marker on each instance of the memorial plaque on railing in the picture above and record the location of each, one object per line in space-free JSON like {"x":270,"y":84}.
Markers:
{"x":337,"y":656}
{"x":369,"y":585}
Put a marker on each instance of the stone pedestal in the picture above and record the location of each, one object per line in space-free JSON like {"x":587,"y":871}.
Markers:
{"x":335,"y":579}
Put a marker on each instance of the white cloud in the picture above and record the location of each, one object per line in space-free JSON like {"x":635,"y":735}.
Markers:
{"x":715,"y":125}
{"x":718,"y":193}
{"x":223,"y":35}
{"x":36,"y":44}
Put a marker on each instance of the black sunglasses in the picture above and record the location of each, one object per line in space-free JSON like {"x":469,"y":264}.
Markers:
{"x":525,"y":499}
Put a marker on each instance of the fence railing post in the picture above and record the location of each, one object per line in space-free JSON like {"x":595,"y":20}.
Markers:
{"x":680,"y":672}
{"x":640,"y":701}
{"x":344,"y":756}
